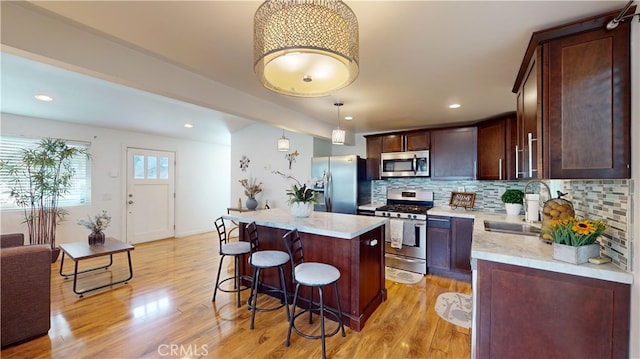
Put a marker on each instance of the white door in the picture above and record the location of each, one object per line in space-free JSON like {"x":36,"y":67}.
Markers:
{"x":150,"y":195}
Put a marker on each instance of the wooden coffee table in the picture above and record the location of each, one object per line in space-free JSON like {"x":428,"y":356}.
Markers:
{"x":78,"y":251}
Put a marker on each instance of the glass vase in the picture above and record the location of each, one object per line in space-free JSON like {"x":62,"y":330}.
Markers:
{"x":96,"y":238}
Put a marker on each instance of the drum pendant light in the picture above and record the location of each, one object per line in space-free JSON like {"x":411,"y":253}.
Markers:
{"x":305,"y":48}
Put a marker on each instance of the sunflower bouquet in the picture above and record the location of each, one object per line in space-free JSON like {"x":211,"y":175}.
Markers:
{"x":573,"y":231}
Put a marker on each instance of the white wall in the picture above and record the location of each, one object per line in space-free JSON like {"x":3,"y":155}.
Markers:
{"x":258,"y":142}
{"x":202,"y":176}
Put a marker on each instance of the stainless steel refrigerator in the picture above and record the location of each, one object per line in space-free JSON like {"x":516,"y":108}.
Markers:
{"x":342,"y":184}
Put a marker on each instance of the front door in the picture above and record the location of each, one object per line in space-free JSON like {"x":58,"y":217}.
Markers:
{"x":150,"y":195}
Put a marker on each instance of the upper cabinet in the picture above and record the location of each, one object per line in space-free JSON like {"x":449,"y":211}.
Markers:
{"x":374,"y":158}
{"x":573,"y":102}
{"x":496,"y":147}
{"x":453,"y":153}
{"x":406,"y":141}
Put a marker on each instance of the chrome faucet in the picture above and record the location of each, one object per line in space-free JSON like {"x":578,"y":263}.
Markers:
{"x":525,"y":192}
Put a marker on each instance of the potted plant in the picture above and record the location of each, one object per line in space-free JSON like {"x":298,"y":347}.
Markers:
{"x":513,"y":199}
{"x":43,"y":176}
{"x":301,"y":197}
{"x":574,"y":240}
{"x":97,"y":225}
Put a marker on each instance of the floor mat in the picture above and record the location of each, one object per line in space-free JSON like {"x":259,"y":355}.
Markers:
{"x":402,"y":276}
{"x":455,"y":308}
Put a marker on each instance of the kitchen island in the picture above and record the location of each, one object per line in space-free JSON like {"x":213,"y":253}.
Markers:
{"x":353,"y":244}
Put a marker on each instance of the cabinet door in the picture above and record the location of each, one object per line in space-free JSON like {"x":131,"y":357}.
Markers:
{"x":392,"y":143}
{"x":491,"y":150}
{"x":418,"y":141}
{"x":588,"y":105}
{"x":438,"y":239}
{"x":496,"y":148}
{"x":461,"y":235}
{"x":553,"y":315}
{"x":453,"y":153}
{"x":374,"y":149}
{"x":529,"y":157}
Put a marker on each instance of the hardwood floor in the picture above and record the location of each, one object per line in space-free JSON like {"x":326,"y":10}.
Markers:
{"x":165,"y":311}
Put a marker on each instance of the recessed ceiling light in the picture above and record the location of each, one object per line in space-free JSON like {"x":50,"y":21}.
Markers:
{"x":348,"y":118}
{"x":454,"y":105}
{"x":45,"y":98}
{"x":188,"y":125}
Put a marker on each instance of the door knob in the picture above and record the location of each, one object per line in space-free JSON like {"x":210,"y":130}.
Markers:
{"x":130,"y":202}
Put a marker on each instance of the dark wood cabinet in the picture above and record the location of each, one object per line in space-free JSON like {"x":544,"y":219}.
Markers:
{"x":449,"y":246}
{"x":374,"y":151}
{"x":496,"y":147}
{"x":587,"y":109}
{"x":461,"y":235}
{"x":454,"y":153}
{"x":438,"y":241}
{"x":573,"y":102}
{"x":406,"y":141}
{"x":528,"y":148}
{"x":521,"y":311}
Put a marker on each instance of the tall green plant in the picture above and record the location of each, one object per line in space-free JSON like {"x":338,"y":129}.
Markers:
{"x":37,"y":184}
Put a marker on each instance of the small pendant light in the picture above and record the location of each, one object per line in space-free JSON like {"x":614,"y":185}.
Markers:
{"x":283,"y":143}
{"x":338,"y":135}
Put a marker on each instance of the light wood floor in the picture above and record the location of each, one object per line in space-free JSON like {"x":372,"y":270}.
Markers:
{"x":166,"y":312}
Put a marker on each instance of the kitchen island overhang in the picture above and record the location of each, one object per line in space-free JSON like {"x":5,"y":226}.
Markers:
{"x":353,"y":244}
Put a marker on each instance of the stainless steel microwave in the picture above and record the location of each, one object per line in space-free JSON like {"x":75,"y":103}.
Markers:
{"x":405,"y":164}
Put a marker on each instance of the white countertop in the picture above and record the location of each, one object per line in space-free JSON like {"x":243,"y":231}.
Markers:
{"x":525,"y":251}
{"x":337,"y":225}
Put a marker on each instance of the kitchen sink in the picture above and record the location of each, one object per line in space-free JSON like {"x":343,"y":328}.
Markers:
{"x":513,"y":228}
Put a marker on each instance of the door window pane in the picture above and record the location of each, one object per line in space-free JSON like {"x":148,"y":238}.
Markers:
{"x":138,"y":166}
{"x":164,"y":167}
{"x":152,"y":167}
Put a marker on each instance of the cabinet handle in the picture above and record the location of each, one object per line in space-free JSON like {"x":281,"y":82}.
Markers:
{"x":475,"y":169}
{"x":530,"y":140}
{"x":500,"y":168}
{"x":373,"y":242}
{"x":517,"y":162}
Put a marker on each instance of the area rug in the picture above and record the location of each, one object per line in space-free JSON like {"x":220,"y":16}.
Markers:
{"x":455,"y":308}
{"x":402,"y":276}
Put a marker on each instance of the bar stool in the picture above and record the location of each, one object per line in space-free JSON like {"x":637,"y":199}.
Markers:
{"x":228,"y":248}
{"x":260,"y":260}
{"x":313,"y":275}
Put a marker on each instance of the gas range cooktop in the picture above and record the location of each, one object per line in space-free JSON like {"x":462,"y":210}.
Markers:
{"x":406,"y":204}
{"x":404,"y":208}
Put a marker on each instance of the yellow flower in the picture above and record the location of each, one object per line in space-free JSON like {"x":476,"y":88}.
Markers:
{"x":583,"y":227}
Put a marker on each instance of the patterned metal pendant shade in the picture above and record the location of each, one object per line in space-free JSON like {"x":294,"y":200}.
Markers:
{"x":305,"y":48}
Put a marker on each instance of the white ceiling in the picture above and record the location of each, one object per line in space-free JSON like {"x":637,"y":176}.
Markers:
{"x":416,"y":57}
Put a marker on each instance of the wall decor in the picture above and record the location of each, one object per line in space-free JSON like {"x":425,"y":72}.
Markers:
{"x":244,"y":163}
{"x":291,"y":157}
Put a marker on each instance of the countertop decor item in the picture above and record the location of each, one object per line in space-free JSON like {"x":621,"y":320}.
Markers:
{"x":574,"y":240}
{"x":97,"y":225}
{"x":251,"y":188}
{"x":301,"y":197}
{"x":513,"y":199}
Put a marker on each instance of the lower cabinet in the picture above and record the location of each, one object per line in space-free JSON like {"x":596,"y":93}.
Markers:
{"x":449,"y":246}
{"x":524,"y":312}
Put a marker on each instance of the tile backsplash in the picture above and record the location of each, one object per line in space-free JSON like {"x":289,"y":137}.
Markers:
{"x":608,"y":199}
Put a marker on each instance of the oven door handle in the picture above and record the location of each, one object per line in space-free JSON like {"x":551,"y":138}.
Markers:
{"x":403,"y":258}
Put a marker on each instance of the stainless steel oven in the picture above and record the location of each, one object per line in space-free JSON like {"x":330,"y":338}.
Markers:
{"x":406,"y":236}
